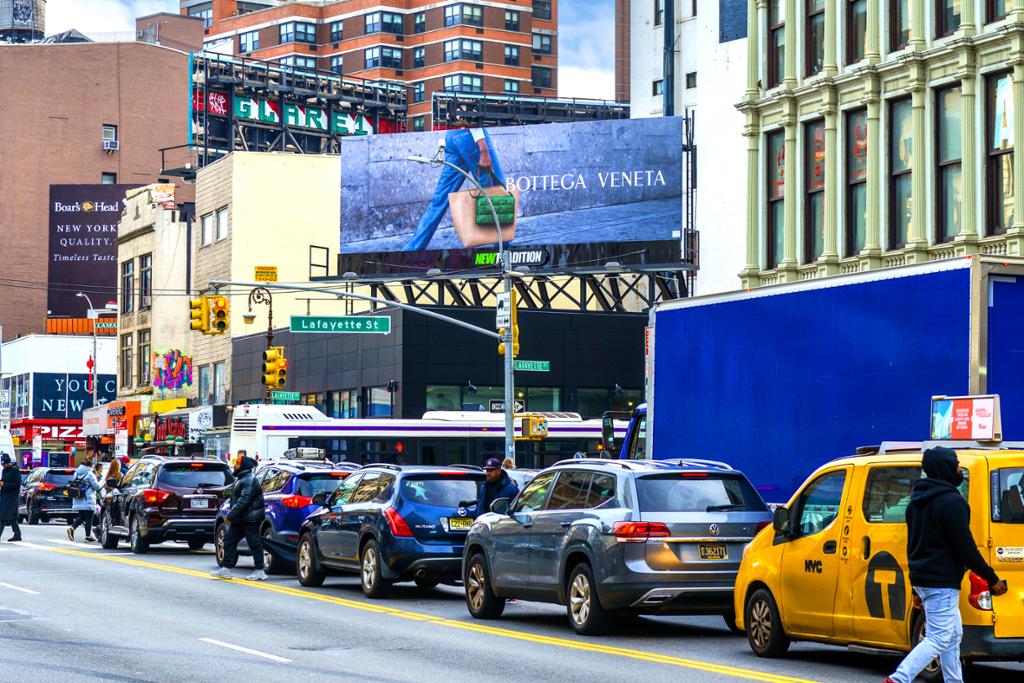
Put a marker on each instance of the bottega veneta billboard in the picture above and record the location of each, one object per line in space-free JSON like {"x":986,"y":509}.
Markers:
{"x":584,"y":183}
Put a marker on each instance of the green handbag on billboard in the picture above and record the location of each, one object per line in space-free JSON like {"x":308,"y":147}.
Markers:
{"x":504,"y":206}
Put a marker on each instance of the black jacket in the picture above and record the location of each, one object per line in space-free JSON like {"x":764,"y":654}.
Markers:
{"x":940,"y":547}
{"x":246,"y":495}
{"x":491,"y":491}
{"x":11,"y":479}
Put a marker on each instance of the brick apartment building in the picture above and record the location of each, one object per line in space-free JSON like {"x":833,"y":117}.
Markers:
{"x":60,"y":103}
{"x":508,"y":47}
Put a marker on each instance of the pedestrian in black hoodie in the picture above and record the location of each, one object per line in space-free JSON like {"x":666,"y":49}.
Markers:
{"x":244,"y":520}
{"x":940,"y":548}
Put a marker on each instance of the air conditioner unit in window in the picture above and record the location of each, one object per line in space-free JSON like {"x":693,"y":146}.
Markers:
{"x":110,"y":145}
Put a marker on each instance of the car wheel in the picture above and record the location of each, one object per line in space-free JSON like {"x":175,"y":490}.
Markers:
{"x":196,"y":544}
{"x":107,"y":539}
{"x":139,"y":544}
{"x":305,"y":567}
{"x":270,"y":561}
{"x":586,"y":615}
{"x":765,"y":634}
{"x":480,"y":599}
{"x":730,"y":621}
{"x":373,"y":583}
{"x":426,"y":583}
{"x":933,"y":672}
{"x":218,"y":545}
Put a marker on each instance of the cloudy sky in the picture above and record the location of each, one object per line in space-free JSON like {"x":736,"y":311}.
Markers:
{"x":586,"y":47}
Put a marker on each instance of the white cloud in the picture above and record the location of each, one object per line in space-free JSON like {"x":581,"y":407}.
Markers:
{"x":586,"y":49}
{"x":101,"y":16}
{"x":594,"y":84}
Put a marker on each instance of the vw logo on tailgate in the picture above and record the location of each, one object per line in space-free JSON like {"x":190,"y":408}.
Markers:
{"x":714,"y":530}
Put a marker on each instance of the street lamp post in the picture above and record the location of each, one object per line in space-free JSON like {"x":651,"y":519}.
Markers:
{"x":262,"y":295}
{"x":95,"y":316}
{"x":503,"y":258}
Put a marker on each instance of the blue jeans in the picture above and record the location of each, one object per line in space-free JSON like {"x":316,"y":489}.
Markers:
{"x":461,"y":150}
{"x":943,"y":631}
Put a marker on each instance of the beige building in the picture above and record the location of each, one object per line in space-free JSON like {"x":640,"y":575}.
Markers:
{"x":258,"y":210}
{"x":880,"y":133}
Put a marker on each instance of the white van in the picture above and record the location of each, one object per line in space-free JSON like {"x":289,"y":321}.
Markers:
{"x":7,"y":444}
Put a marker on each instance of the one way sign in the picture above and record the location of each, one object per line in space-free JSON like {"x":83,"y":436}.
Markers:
{"x":497,"y":405}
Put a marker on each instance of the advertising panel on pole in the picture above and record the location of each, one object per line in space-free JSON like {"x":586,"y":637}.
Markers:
{"x":973,"y":418}
{"x":121,"y":442}
{"x":83,"y":246}
{"x":561,"y":191}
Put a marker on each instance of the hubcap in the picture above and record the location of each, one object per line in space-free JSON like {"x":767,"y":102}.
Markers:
{"x":135,"y":531}
{"x":305,"y":559}
{"x":369,"y":566}
{"x":579,"y":599}
{"x":760,"y":623}
{"x":218,"y":545}
{"x":475,"y":586}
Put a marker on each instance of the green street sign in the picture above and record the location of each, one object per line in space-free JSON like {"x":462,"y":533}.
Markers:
{"x":533,"y":365}
{"x":284,"y":396}
{"x":330,"y":324}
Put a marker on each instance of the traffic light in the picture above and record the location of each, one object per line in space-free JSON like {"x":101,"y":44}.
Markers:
{"x":275,"y":367}
{"x":220,"y":321}
{"x":535,"y":427}
{"x":200,"y":314}
{"x":515,"y":331}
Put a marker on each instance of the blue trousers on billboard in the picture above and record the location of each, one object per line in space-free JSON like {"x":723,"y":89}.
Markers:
{"x":461,"y":150}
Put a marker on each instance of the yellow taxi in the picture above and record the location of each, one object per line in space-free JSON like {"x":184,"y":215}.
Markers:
{"x":833,"y":567}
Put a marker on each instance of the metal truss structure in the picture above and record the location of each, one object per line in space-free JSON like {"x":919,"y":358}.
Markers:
{"x":450,"y":108}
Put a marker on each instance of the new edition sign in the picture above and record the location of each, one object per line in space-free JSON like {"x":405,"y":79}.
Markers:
{"x":357,"y":324}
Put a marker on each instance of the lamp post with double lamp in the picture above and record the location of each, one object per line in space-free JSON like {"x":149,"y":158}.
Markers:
{"x":94,"y":315}
{"x":506,"y":273}
{"x":262,"y":295}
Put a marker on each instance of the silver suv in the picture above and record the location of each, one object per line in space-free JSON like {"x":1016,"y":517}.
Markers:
{"x":607,"y":537}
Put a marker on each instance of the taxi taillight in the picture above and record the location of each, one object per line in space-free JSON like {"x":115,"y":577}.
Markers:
{"x":980,"y":597}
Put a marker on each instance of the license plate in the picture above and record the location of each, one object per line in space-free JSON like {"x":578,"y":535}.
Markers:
{"x":460,"y":523}
{"x":712,"y":551}
{"x":200,"y":503}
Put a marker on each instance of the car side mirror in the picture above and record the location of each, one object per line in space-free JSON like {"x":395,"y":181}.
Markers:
{"x":780,"y":521}
{"x":320,"y":499}
{"x":500,"y":506}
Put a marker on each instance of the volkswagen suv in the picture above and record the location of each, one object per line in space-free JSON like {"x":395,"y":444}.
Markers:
{"x":607,"y":537}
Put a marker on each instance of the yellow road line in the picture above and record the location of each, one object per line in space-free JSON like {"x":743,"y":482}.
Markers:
{"x":478,"y":627}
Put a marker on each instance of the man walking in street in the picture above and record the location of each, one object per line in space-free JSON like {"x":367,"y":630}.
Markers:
{"x":10,"y":486}
{"x":940,"y":548}
{"x":498,"y":485}
{"x":244,"y":520}
{"x":84,"y":507}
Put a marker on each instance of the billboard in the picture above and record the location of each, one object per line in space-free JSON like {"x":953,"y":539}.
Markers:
{"x":583,"y":183}
{"x":83,"y":246}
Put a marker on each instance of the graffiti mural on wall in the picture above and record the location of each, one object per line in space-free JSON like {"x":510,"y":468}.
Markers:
{"x":172,"y":370}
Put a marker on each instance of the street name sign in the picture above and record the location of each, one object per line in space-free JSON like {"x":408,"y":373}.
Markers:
{"x":355,"y":324}
{"x":533,"y":365}
{"x":284,"y":396}
{"x":497,"y":405}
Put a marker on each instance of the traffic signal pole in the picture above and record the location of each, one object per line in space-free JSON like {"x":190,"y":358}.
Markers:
{"x":262,"y":295}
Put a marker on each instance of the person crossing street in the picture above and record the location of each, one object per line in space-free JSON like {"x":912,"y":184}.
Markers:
{"x":10,"y":486}
{"x":244,"y":520}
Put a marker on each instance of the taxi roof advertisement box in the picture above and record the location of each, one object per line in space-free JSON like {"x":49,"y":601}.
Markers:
{"x":590,"y":182}
{"x":83,"y":246}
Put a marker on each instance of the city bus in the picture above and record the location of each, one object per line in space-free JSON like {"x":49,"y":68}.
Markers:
{"x":439,"y":438}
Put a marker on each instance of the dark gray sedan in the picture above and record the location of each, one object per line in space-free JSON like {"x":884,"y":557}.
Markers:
{"x":608,"y":537}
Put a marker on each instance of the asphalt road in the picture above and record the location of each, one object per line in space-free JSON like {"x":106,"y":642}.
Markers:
{"x":74,"y":612}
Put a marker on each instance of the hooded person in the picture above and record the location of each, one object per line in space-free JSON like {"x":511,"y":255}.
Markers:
{"x":497,"y":485}
{"x":940,"y":548}
{"x":243,"y":520}
{"x":10,"y":488}
{"x":84,"y":507}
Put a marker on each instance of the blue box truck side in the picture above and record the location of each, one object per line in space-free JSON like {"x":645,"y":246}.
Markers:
{"x":778,"y":380}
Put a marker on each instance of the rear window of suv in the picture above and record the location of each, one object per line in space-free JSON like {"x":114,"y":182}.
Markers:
{"x":1008,"y":495}
{"x":58,"y":476}
{"x":697,"y":492}
{"x":439,"y":491}
{"x":192,"y":475}
{"x":311,"y":484}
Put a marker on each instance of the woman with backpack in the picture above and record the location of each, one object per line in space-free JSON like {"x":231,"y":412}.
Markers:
{"x":85,"y":504}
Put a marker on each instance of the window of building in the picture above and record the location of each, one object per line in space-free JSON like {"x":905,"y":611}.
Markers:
{"x":204,"y":12}
{"x":542,"y":9}
{"x":145,"y":281}
{"x":220,"y":383}
{"x":947,"y":17}
{"x":815,"y":44}
{"x":297,"y":32}
{"x":949,"y":191}
{"x":511,"y":20}
{"x":207,"y":228}
{"x":995,"y":10}
{"x":248,"y":41}
{"x":776,"y":42}
{"x":298,"y":62}
{"x":464,"y":83}
{"x":419,"y":23}
{"x":856,"y":180}
{"x":343,"y":403}
{"x":418,"y":124}
{"x":222,"y":223}
{"x":127,"y":286}
{"x":541,"y":44}
{"x":378,"y":402}
{"x":374,"y":57}
{"x":900,"y":157}
{"x":691,"y":80}
{"x":372,"y":22}
{"x":511,"y":55}
{"x":126,"y":360}
{"x":856,"y":29}
{"x":899,"y":25}
{"x":592,"y":403}
{"x":205,"y":385}
{"x":659,"y":12}
{"x":419,"y":57}
{"x":144,"y":358}
{"x":108,"y":132}
{"x":108,"y":178}
{"x":337,"y":31}
{"x":418,"y":92}
{"x":391,"y":57}
{"x":463,"y":14}
{"x":338,"y":64}
{"x":776,"y":163}
{"x":391,"y":22}
{"x":470,"y":50}
{"x":814,"y":190}
{"x":658,"y":87}
{"x":541,"y":77}
{"x":511,"y":87}
{"x":999,"y":131}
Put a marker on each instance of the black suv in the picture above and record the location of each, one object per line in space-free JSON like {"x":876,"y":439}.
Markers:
{"x":44,"y":495}
{"x":163,"y":498}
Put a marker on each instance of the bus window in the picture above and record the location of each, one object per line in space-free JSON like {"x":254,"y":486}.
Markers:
{"x":443,"y":452}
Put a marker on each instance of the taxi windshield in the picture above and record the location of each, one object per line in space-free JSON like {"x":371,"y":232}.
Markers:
{"x":1008,"y":495}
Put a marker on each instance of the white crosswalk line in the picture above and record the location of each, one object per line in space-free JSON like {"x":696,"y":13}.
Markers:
{"x":246,"y":650}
